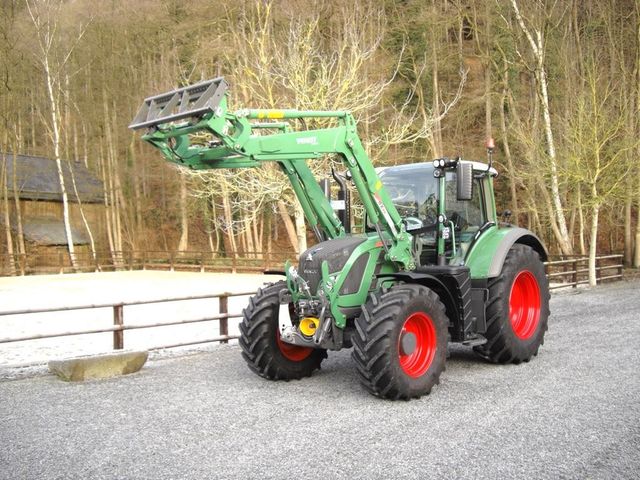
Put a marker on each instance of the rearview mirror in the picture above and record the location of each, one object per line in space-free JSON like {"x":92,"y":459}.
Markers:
{"x":464,"y":180}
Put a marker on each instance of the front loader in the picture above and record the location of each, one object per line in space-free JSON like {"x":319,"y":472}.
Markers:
{"x":434,"y":265}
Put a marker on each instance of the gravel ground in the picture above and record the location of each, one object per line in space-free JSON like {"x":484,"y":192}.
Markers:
{"x":573,"y":412}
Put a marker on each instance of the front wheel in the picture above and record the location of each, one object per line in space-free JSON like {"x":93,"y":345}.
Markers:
{"x":262,"y":347}
{"x":400,"y":344}
{"x":518,"y":308}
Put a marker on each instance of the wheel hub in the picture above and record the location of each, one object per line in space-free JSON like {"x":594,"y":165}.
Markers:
{"x":408,"y":343}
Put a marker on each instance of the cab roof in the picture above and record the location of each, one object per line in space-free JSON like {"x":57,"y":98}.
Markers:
{"x":477,"y":167}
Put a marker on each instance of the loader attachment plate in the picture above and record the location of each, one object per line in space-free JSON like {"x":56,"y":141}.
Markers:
{"x":192,"y":101}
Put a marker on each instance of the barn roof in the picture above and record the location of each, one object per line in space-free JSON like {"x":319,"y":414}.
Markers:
{"x":50,"y":231}
{"x":37,"y":179}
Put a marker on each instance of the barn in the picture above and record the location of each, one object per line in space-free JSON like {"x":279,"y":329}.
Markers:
{"x":33,"y":181}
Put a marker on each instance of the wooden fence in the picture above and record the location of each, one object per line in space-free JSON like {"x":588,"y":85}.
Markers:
{"x":194,"y":261}
{"x":565,"y":271}
{"x":571,"y":271}
{"x":120,"y":326}
{"x":562,"y":272}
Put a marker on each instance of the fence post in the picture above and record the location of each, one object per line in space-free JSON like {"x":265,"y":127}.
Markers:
{"x":598,"y":274}
{"x":118,"y":320}
{"x":620,"y":268}
{"x":233,"y":262}
{"x":574,"y":277}
{"x":201,"y":262}
{"x":224,"y":310}
{"x":171,"y":260}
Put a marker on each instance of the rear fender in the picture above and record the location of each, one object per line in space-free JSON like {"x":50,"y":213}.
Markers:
{"x":489,"y":252}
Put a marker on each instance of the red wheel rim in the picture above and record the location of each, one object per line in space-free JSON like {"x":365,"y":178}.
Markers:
{"x":292,"y":352}
{"x":524,"y":305}
{"x":416,"y":363}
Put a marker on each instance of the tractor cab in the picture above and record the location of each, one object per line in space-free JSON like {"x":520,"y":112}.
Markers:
{"x":427,"y":196}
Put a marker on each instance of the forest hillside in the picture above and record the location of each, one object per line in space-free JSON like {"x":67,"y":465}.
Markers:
{"x":555,"y":83}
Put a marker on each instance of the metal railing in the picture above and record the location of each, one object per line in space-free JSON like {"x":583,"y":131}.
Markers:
{"x":119,"y":325}
{"x":571,"y":271}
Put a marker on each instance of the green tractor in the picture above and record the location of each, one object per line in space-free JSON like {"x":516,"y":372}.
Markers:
{"x":433,"y":266}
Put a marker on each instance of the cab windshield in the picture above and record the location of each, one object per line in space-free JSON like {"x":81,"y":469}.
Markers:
{"x":414,"y":193}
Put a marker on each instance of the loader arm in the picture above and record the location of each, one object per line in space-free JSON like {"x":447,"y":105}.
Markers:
{"x":177,"y":122}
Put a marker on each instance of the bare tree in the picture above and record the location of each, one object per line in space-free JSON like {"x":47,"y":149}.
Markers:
{"x":536,"y":40}
{"x":598,"y":149}
{"x":53,"y":58}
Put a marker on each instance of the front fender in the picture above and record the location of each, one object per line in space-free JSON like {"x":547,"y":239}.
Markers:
{"x":487,"y":254}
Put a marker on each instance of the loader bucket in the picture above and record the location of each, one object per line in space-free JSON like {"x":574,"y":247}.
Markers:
{"x":192,"y":101}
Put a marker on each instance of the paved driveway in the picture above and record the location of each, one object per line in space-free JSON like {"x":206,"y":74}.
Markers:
{"x":573,"y":412}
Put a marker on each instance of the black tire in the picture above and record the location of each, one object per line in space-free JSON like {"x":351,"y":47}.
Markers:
{"x":504,"y":345}
{"x":376,"y":343}
{"x":259,"y":340}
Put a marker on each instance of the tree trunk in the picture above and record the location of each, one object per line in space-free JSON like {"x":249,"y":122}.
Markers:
{"x":289,"y":226}
{"x":593,"y":244}
{"x":257,"y":235}
{"x":183,"y":244}
{"x":246,"y":222}
{"x":7,"y":219}
{"x":269,"y":237}
{"x":229,"y":221}
{"x":507,"y":153}
{"x":628,"y":241}
{"x":107,"y":208}
{"x":92,"y":243}
{"x":583,"y":249}
{"x":564,"y":240}
{"x":136,"y":190}
{"x":114,"y":203}
{"x":636,"y":256}
{"x":214,"y":226}
{"x":435,"y":135}
{"x":301,"y":229}
{"x":16,"y":198}
{"x":488,"y":101}
{"x":55,"y":131}
{"x":85,"y":146}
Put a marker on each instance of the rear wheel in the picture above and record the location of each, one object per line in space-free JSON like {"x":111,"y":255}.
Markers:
{"x":401,"y":341}
{"x":263,"y":349}
{"x":518,"y":308}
